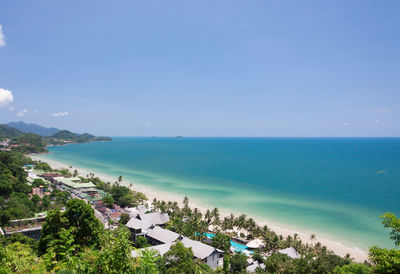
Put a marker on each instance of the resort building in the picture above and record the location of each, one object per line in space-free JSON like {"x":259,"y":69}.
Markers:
{"x":74,"y":183}
{"x":51,"y":177}
{"x":291,"y":252}
{"x":138,"y":227}
{"x":154,"y":218}
{"x":135,"y":211}
{"x":208,"y":254}
{"x":158,"y":236}
{"x":30,"y":227}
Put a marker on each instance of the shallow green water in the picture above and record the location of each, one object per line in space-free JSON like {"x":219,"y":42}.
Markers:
{"x":329,"y":186}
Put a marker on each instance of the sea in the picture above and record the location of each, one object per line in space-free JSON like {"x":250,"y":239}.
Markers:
{"x":334,"y":187}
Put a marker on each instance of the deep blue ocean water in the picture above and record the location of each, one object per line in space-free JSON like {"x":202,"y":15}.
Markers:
{"x":328,"y":186}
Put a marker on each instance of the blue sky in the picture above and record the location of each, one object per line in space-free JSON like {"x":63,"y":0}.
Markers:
{"x":203,"y":68}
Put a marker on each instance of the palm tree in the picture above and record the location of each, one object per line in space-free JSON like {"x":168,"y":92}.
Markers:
{"x":215,"y":214}
{"x":225,"y":224}
{"x":208,"y":217}
{"x":240,"y":221}
{"x":250,"y":224}
{"x":163,"y":207}
{"x":231,"y":221}
{"x":185,"y":203}
{"x":312,"y":238}
{"x":197,"y":215}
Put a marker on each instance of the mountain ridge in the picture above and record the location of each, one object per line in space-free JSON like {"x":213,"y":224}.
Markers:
{"x":33,"y":128}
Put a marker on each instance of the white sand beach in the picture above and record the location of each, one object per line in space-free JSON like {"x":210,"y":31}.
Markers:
{"x":358,"y":254}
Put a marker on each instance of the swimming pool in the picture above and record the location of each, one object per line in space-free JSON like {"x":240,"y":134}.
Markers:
{"x":238,"y":247}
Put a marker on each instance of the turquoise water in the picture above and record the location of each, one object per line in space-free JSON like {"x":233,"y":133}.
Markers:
{"x":334,"y":187}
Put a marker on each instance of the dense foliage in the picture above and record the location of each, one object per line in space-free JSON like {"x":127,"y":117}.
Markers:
{"x":15,"y":201}
{"x":77,"y":138}
{"x":28,"y":141}
{"x":77,"y":221}
{"x":8,"y":132}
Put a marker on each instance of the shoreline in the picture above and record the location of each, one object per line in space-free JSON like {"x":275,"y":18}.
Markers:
{"x":340,"y":249}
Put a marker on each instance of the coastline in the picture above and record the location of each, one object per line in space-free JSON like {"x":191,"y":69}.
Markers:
{"x":341,"y":249}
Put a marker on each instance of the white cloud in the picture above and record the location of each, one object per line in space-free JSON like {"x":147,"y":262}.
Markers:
{"x":346,"y":124}
{"x":11,"y":108}
{"x":2,"y":41}
{"x":58,"y":114}
{"x":6,"y":97}
{"x":377,"y":121}
{"x":22,"y":113}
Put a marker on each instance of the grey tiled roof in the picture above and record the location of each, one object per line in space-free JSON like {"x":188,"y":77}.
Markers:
{"x":138,"y":224}
{"x":199,"y":249}
{"x":163,"y":235}
{"x":155,"y":218}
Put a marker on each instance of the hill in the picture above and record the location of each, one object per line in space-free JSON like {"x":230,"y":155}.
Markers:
{"x":67,"y":135}
{"x":31,"y":142}
{"x":9,"y":132}
{"x":33,"y":128}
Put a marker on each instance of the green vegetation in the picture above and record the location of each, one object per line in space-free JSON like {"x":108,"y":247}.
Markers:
{"x":59,"y":225}
{"x":7,"y":132}
{"x":180,"y":259}
{"x":15,"y":203}
{"x":66,"y":135}
{"x":32,"y":128}
{"x":121,"y":195}
{"x":238,"y":263}
{"x":222,"y":242}
{"x":388,"y":260}
{"x":29,"y":142}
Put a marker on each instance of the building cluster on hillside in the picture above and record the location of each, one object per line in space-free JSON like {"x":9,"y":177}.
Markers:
{"x":113,"y":213}
{"x":144,"y":222}
{"x":150,"y":225}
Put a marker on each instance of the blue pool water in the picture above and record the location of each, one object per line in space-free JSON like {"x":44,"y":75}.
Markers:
{"x":238,"y":247}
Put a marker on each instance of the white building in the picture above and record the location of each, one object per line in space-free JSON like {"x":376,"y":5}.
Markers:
{"x":208,"y":254}
{"x":138,"y":227}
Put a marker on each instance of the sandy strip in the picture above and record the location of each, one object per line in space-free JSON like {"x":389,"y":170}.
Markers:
{"x":358,"y":254}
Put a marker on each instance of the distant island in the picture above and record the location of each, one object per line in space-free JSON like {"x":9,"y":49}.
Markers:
{"x":32,"y":138}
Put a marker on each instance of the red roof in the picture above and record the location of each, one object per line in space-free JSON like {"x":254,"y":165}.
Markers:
{"x":114,"y":215}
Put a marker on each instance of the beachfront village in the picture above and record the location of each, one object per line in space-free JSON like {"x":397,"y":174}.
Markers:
{"x":57,"y":219}
{"x":148,"y":222}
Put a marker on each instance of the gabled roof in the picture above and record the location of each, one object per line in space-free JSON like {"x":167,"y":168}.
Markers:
{"x":291,"y":252}
{"x":135,"y":211}
{"x":199,"y":249}
{"x":162,"y":249}
{"x":154,"y":218}
{"x":138,"y":224}
{"x":163,"y":235}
